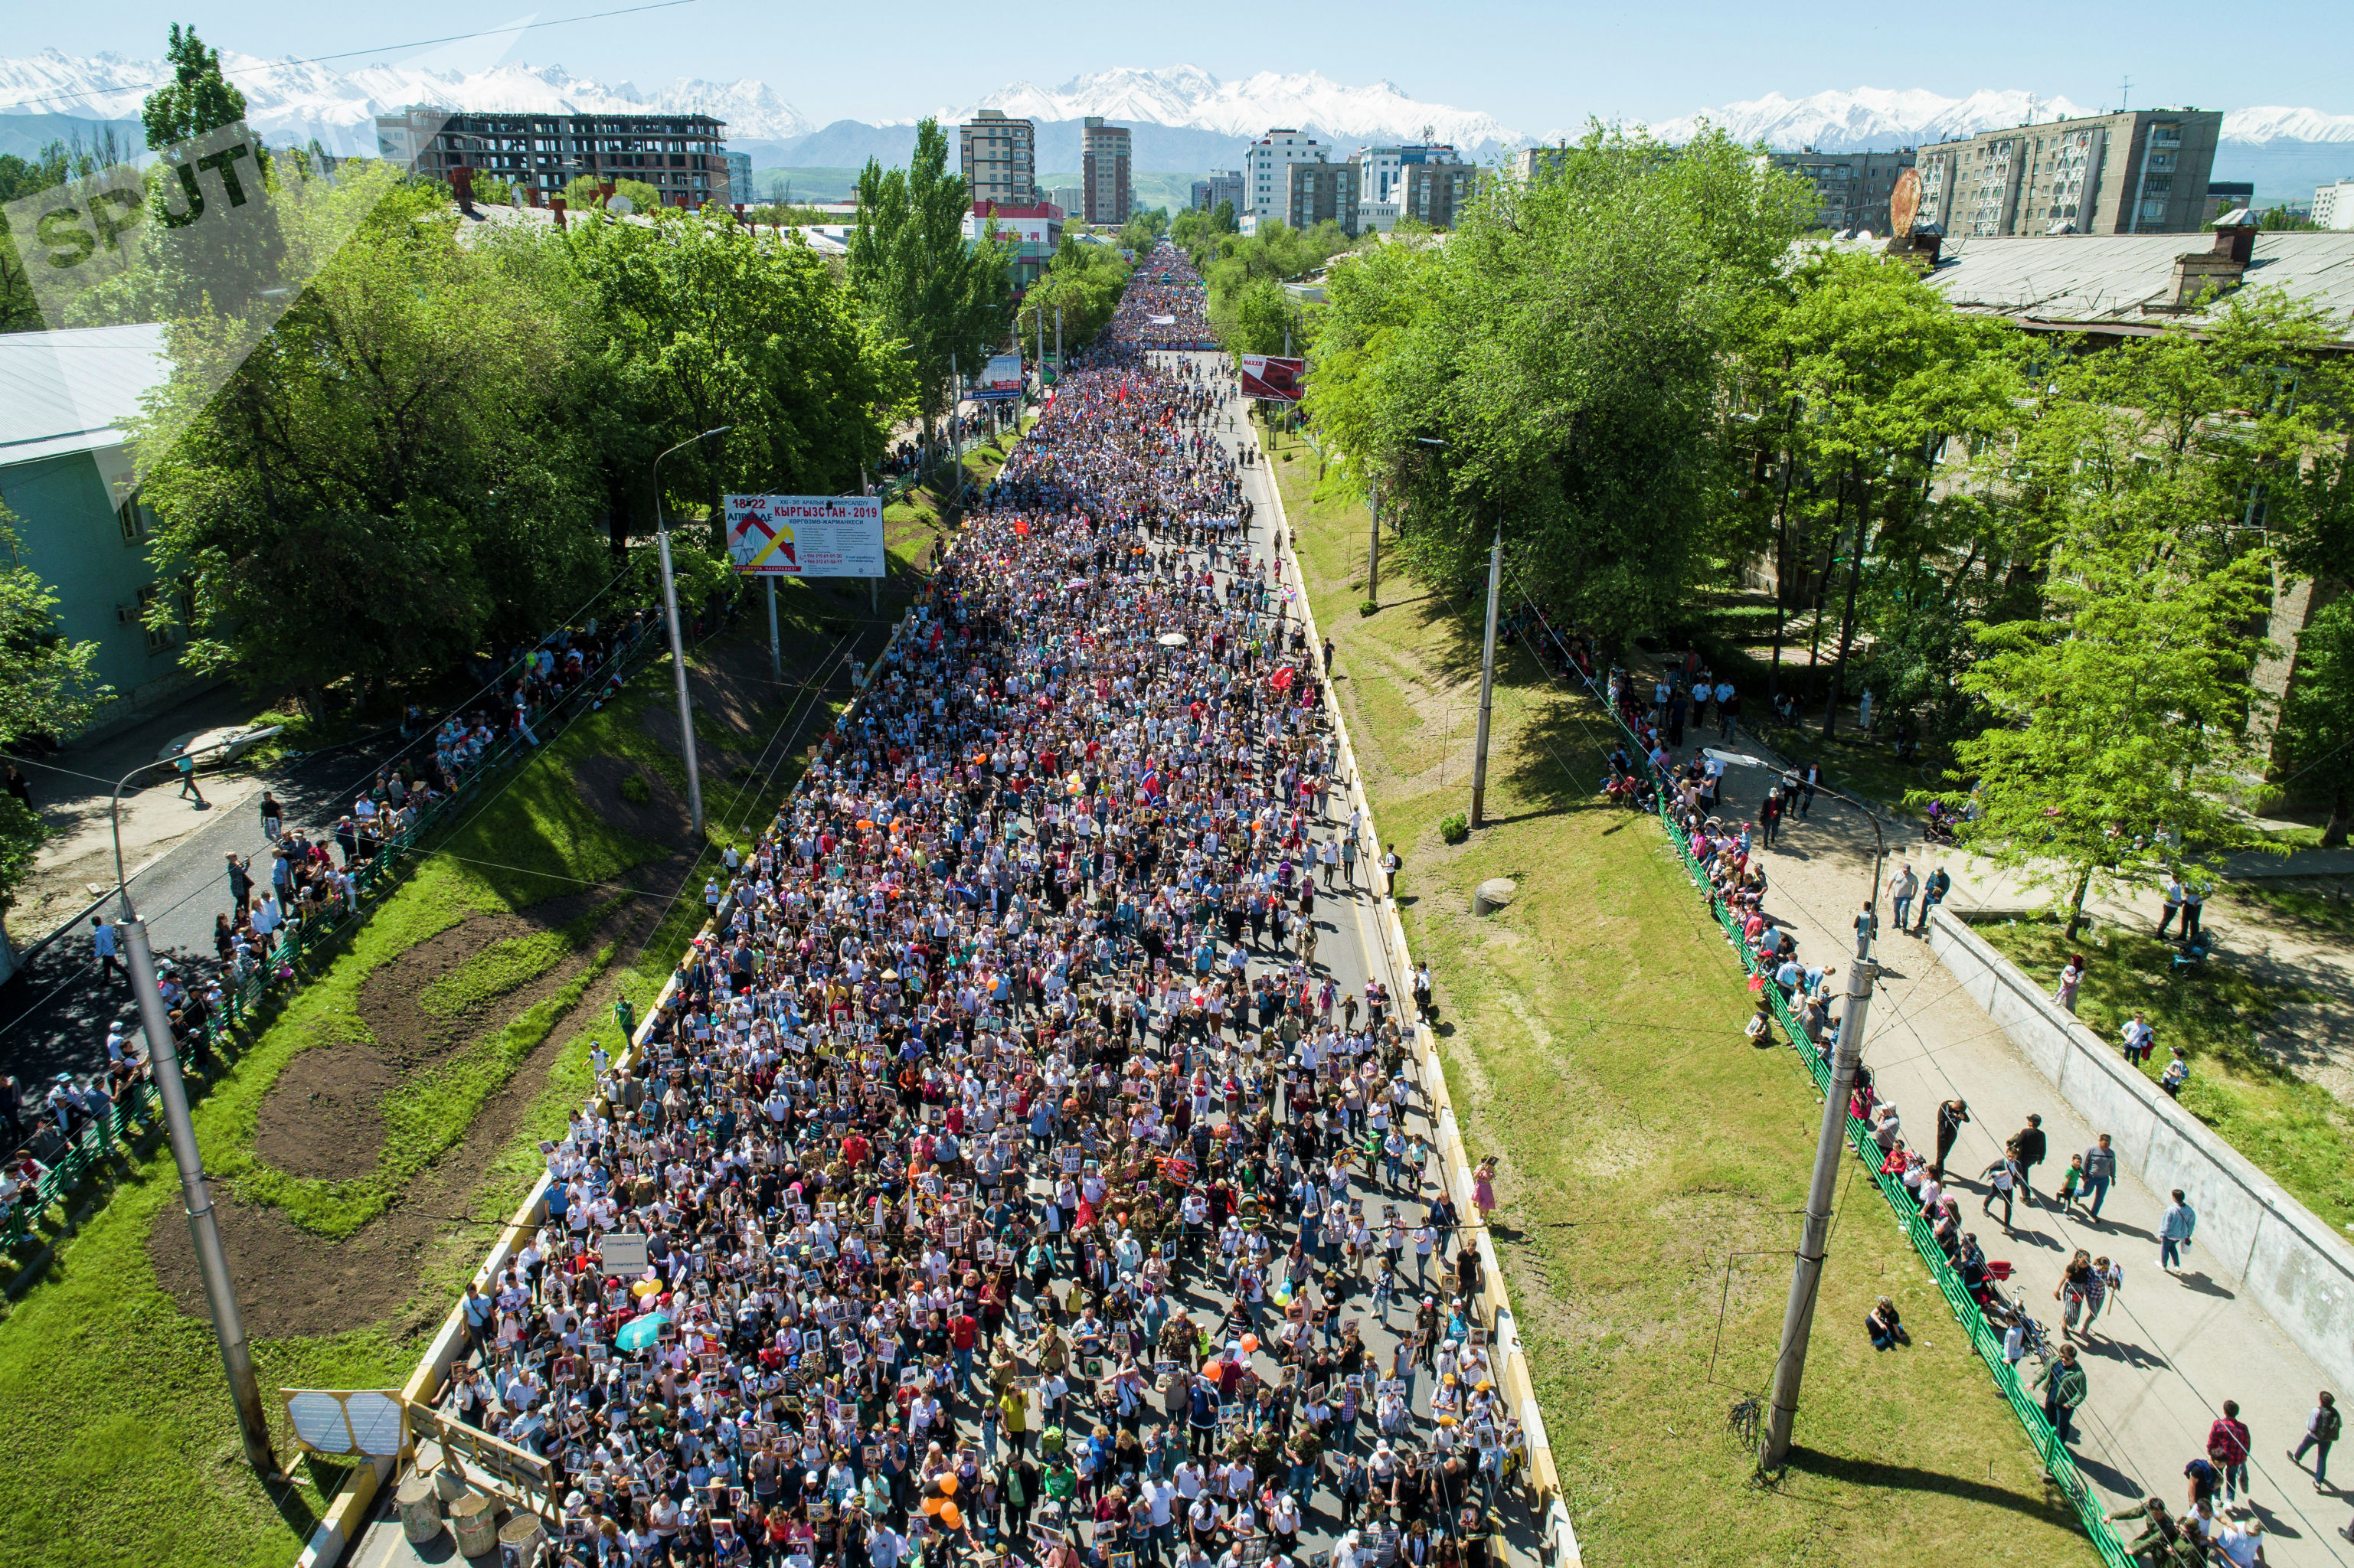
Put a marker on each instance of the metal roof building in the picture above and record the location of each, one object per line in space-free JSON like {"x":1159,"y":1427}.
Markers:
{"x":2136,"y":283}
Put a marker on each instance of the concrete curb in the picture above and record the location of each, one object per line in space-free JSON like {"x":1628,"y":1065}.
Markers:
{"x":1559,"y":1535}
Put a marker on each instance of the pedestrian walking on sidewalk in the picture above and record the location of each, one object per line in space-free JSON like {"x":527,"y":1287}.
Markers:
{"x":1902,"y":888}
{"x":2002,"y":1183}
{"x":2100,"y":1170}
{"x":2226,"y":1446}
{"x":2065,"y":1387}
{"x":103,"y":943}
{"x":2029,"y":1145}
{"x":1809,"y":777}
{"x":2175,"y":1229}
{"x":187,"y":769}
{"x":273,"y":817}
{"x":2321,"y":1429}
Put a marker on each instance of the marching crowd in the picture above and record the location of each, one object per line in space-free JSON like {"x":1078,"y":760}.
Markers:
{"x":1004,"y":1178}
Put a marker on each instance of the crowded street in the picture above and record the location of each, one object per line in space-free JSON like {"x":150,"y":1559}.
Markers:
{"x":1031,"y":1164}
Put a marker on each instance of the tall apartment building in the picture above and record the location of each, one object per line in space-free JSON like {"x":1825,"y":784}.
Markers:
{"x":1386,"y":166}
{"x":1434,"y":195}
{"x":1000,"y":158}
{"x":1315,"y":191}
{"x":1262,"y":167}
{"x":1104,"y":170}
{"x":1072,"y":199}
{"x":1851,"y":189}
{"x":1224,"y":184}
{"x":2333,"y":205}
{"x":2142,"y":171}
{"x":683,"y":155}
{"x":739,"y":177}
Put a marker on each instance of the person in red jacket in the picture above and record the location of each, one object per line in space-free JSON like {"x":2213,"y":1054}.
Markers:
{"x":2226,"y":1446}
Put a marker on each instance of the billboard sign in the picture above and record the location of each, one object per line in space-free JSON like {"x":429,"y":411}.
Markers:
{"x":1265,"y":376}
{"x":806,"y":536}
{"x":1001,"y":380}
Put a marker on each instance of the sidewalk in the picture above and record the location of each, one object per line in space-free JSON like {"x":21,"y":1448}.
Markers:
{"x":2169,"y":1348}
{"x":72,"y":790}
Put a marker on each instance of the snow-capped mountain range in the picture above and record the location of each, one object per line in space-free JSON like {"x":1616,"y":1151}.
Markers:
{"x":1877,"y":117}
{"x":297,"y":102}
{"x":1193,"y":110}
{"x":1189,"y":98}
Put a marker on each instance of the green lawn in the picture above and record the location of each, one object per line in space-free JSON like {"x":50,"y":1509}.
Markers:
{"x":1653,"y":1162}
{"x":2294,"y":1131}
{"x":117,"y":1444}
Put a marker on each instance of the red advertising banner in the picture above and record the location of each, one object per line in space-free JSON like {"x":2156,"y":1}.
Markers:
{"x":1265,"y":376}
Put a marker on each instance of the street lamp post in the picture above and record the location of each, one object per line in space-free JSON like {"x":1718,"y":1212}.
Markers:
{"x":164,"y":1065}
{"x":1806,"y":1271}
{"x":678,"y":643}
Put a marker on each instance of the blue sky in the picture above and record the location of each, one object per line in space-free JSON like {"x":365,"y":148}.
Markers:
{"x":1535,"y":67}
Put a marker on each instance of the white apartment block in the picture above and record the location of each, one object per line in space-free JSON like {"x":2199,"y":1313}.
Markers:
{"x":1262,"y":167}
{"x":2333,"y":205}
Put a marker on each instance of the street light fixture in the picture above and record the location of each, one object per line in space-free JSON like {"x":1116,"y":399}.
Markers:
{"x":678,"y":644}
{"x":1807,"y":1272}
{"x":164,"y":1064}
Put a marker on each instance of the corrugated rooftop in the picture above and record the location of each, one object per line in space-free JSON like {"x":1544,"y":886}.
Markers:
{"x":70,"y":391}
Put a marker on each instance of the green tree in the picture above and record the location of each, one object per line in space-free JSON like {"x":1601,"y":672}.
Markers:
{"x":696,"y":322}
{"x":586,"y":192}
{"x":47,"y":689}
{"x":198,"y":98}
{"x":2119,"y":738}
{"x":337,"y":509}
{"x":2315,"y":738}
{"x":1865,"y":373}
{"x":1224,"y":219}
{"x":1080,"y":288}
{"x":1567,"y":345}
{"x":927,"y":287}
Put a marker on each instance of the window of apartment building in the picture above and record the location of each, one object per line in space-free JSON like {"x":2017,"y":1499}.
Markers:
{"x":136,"y":520}
{"x":159,"y":638}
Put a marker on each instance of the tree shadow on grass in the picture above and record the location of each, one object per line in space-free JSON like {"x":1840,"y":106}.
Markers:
{"x":1911,"y":1479}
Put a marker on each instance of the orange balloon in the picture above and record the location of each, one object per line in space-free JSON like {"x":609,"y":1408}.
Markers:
{"x":950,"y":1516}
{"x":948,"y":1483}
{"x":934,"y":1504}
{"x":1250,"y":1344}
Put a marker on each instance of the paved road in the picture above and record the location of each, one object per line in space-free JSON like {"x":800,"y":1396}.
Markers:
{"x":54,"y":1013}
{"x":1345,"y":918}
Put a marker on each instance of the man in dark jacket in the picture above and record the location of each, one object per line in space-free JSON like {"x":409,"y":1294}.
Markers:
{"x":2028,"y":1146}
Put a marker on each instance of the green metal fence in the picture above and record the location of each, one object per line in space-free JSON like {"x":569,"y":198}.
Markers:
{"x":295,"y":951}
{"x":2058,"y":1463}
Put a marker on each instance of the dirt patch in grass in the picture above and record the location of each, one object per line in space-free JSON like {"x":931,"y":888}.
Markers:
{"x":290,"y":1282}
{"x":324,"y":1117}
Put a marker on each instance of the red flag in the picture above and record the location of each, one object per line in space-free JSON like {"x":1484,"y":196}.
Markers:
{"x":1022,"y":526}
{"x":1282,"y":680}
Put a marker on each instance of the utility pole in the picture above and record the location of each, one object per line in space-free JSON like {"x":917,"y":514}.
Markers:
{"x":677,"y":642}
{"x":203,"y":1225}
{"x":1805,"y":1278}
{"x":1486,"y":682}
{"x":1373,"y":548}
